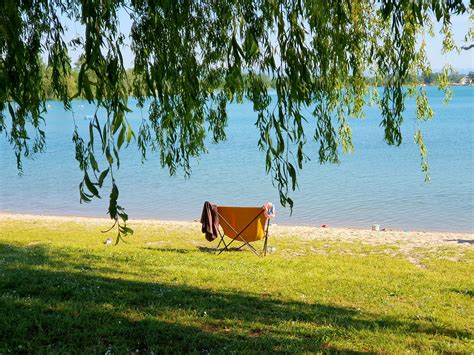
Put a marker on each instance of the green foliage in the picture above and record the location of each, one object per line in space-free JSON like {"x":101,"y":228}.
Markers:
{"x":194,"y":57}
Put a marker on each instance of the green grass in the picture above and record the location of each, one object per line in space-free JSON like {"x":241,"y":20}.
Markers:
{"x":62,"y":290}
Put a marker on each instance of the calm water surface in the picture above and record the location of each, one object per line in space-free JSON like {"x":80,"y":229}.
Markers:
{"x":375,"y":184}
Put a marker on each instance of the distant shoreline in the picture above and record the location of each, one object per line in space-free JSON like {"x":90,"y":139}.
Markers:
{"x":271,"y":89}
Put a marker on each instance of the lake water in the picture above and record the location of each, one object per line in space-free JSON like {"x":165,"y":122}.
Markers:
{"x":375,"y":184}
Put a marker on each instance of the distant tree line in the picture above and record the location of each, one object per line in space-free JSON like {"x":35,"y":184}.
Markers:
{"x":72,"y":80}
{"x":454,"y":77}
{"x":431,"y":78}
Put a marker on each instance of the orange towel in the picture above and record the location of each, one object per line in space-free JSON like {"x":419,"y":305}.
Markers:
{"x":234,"y":219}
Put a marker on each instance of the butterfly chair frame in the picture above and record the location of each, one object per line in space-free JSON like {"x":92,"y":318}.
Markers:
{"x":239,"y":236}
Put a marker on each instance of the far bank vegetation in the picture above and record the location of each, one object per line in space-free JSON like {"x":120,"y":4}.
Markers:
{"x":454,"y":78}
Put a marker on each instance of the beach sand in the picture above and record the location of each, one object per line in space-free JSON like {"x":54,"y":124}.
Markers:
{"x":405,"y":241}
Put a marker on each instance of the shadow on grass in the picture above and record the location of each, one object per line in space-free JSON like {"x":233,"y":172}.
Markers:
{"x":217,"y":250}
{"x":462,"y":241}
{"x":198,"y":249}
{"x":171,"y":250}
{"x":465,"y":292}
{"x":57,"y":311}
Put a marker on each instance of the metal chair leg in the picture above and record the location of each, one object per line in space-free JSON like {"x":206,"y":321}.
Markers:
{"x":266,"y":239}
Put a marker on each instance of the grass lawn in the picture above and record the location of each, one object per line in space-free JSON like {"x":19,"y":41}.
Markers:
{"x":62,"y":290}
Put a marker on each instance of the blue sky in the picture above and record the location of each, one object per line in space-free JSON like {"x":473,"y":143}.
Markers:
{"x":462,"y":62}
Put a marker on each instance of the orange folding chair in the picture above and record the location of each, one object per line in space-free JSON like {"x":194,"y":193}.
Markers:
{"x":245,"y":225}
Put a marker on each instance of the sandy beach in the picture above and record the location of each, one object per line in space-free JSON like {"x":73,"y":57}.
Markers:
{"x":406,"y":241}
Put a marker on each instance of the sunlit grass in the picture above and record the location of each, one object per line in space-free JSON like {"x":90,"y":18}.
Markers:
{"x":63,"y":290}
